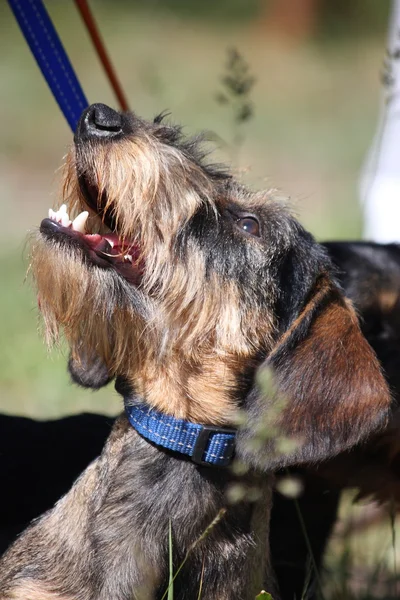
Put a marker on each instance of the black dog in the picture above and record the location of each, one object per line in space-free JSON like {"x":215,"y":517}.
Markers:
{"x":201,"y":298}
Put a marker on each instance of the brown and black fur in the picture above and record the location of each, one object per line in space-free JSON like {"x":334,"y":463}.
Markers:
{"x":369,"y":273}
{"x":370,"y":276}
{"x":223,"y":288}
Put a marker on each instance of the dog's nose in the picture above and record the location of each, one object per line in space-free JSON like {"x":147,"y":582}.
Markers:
{"x":98,"y":121}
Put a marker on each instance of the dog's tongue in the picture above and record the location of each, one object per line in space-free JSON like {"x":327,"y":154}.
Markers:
{"x":106,"y":250}
{"x":116,"y":243}
{"x":111,"y":244}
{"x":113,"y":239}
{"x":96,"y":240}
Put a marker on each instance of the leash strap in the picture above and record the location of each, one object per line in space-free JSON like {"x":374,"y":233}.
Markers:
{"x":93,"y":30}
{"x":205,"y":445}
{"x":51,"y":57}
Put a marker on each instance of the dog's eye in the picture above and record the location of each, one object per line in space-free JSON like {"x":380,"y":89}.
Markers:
{"x":250,"y":225}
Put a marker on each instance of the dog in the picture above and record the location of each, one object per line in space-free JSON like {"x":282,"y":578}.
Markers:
{"x":370,"y":276}
{"x":209,"y":305}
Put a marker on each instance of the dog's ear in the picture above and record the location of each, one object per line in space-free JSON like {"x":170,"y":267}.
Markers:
{"x":325,"y":389}
{"x":88,"y":372}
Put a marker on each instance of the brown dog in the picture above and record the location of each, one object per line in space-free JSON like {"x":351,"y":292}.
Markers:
{"x":190,"y":290}
{"x":370,"y":276}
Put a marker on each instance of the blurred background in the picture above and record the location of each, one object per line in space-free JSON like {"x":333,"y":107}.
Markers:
{"x":304,"y":125}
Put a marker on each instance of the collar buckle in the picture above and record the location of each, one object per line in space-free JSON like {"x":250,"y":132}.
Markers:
{"x":202,"y":443}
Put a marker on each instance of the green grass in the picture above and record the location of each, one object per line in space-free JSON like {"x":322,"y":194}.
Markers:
{"x":34,"y":381}
{"x":362,"y":563}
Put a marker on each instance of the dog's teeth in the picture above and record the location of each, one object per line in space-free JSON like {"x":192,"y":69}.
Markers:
{"x":128,"y":258}
{"x":79,"y":222}
{"x":65,"y":220}
{"x":61,"y":216}
{"x":52,"y":214}
{"x":111,"y":243}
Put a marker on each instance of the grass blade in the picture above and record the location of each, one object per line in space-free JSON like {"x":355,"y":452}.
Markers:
{"x":171,"y":565}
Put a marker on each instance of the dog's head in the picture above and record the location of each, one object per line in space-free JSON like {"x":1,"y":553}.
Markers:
{"x":188,"y":286}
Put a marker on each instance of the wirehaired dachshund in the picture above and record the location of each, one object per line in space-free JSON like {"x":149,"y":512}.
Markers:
{"x":211,"y":307}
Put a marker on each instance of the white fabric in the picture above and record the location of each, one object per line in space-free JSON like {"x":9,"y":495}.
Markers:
{"x":380,"y":180}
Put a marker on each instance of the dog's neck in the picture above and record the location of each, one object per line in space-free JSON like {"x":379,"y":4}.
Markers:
{"x":201,"y":394}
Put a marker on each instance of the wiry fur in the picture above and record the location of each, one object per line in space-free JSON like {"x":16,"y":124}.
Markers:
{"x":130,"y":558}
{"x":206,"y":308}
{"x":185,"y":314}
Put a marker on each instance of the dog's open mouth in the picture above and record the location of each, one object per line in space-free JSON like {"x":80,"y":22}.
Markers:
{"x":103,"y":250}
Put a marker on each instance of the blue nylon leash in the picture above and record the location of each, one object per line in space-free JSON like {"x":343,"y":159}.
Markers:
{"x":51,"y":57}
{"x":206,"y":445}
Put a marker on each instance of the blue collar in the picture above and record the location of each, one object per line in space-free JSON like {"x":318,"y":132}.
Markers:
{"x":205,"y":445}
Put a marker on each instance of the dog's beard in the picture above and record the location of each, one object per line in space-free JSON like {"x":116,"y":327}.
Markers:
{"x":94,"y":308}
{"x":150,"y":192}
{"x":181,"y":328}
